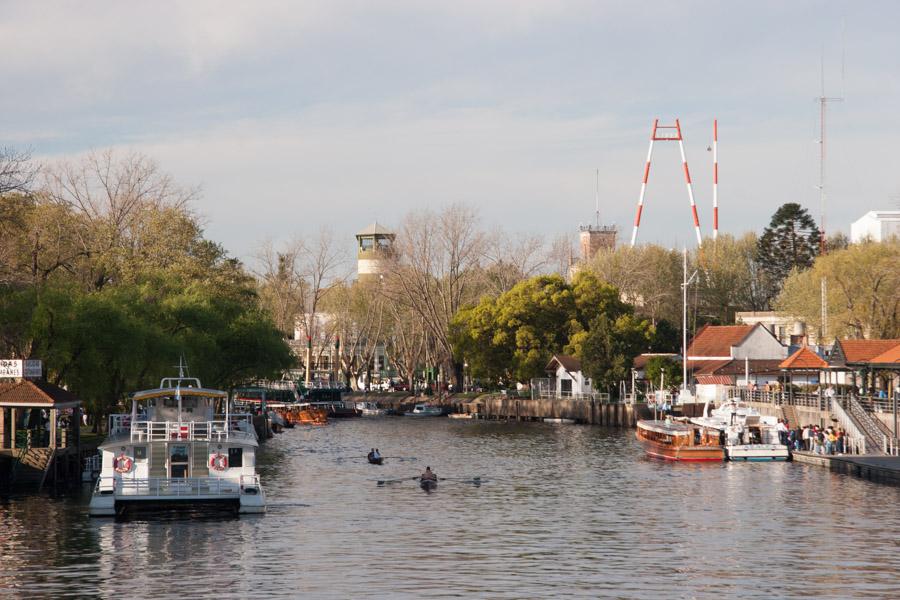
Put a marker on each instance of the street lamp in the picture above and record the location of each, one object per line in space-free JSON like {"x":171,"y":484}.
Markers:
{"x":465,"y":376}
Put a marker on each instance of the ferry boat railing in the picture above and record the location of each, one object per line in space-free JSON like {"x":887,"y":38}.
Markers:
{"x":151,"y":431}
{"x":178,"y":486}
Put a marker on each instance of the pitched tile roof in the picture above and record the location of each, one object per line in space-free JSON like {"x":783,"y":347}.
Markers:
{"x":715,"y":380}
{"x":27,"y":393}
{"x":569,"y":363}
{"x":717,"y":340}
{"x":804,"y":358}
{"x":892,"y":356}
{"x":857,"y":351}
{"x":756,"y":366}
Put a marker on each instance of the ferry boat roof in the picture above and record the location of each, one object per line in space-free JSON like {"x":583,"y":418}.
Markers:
{"x":167,"y":392}
{"x":667,"y":427}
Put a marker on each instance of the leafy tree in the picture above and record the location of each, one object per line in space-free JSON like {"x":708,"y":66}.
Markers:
{"x":790,"y":242}
{"x":663,"y":364}
{"x":862,"y":283}
{"x":609,"y":349}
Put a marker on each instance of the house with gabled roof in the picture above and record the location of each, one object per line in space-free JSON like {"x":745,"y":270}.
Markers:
{"x":567,"y":378}
{"x":722,"y":356}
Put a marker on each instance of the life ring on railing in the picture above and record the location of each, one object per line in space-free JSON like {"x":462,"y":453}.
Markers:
{"x":218,"y":461}
{"x":122,"y":464}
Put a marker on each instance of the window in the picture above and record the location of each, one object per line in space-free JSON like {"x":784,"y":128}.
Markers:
{"x":366,"y":243}
{"x":140,"y":453}
{"x":235,"y":457}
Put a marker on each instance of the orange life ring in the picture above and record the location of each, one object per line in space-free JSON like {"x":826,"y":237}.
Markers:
{"x":122,"y":464}
{"x":218,"y":461}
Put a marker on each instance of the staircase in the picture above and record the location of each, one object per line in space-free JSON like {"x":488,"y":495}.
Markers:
{"x":790,"y":415}
{"x":867,"y":426}
{"x":32,"y":467}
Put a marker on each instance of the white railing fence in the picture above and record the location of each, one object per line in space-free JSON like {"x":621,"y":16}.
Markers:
{"x":237,"y":426}
{"x":164,"y":487}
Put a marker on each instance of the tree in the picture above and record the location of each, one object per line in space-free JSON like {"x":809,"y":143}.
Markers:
{"x":862,"y":283}
{"x":790,"y":242}
{"x":608,"y":351}
{"x":663,"y":364}
{"x":435,"y":273}
{"x":512,"y":337}
{"x":17,"y":172}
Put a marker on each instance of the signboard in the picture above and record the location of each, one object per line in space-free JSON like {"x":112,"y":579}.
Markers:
{"x":21,"y":368}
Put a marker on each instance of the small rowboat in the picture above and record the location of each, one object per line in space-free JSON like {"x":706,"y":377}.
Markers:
{"x":428,"y":484}
{"x":375,"y":461}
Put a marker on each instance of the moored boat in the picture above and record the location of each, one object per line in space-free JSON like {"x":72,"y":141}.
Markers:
{"x":679,"y":441}
{"x":173,"y":449}
{"x":748,"y":435}
{"x":370,"y":409}
{"x":425,"y":410}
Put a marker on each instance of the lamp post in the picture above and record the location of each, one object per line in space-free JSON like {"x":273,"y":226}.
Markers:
{"x":465,"y":376}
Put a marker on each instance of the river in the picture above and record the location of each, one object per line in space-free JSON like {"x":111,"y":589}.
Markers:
{"x":563,"y":511}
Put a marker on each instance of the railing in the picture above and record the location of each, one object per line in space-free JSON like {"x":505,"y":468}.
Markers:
{"x":867,"y":423}
{"x":854,"y":438}
{"x":218,"y":430}
{"x":165,"y":487}
{"x":781,"y":398}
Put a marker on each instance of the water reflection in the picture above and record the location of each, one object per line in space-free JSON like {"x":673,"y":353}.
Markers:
{"x":563,"y":511}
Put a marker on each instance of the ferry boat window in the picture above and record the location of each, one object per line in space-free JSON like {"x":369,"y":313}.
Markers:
{"x":170,"y":402}
{"x":140,"y":453}
{"x":235,"y":457}
{"x":188,"y":404}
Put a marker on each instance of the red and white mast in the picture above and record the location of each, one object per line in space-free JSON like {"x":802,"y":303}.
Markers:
{"x":715,"y":179}
{"x":665,"y":133}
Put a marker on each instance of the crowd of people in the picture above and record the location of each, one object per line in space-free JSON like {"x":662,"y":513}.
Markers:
{"x":812,"y":438}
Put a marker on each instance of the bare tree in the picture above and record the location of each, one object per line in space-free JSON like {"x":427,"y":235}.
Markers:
{"x":113,"y":196}
{"x":405,"y":341}
{"x":510,"y":258}
{"x":17,"y":171}
{"x":435,"y":271}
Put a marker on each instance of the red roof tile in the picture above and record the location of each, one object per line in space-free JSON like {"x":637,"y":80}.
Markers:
{"x":892,"y":356}
{"x":717,"y":340}
{"x":35,"y":392}
{"x":641,"y":360}
{"x":856,"y":351}
{"x":804,"y":358}
{"x":715,"y":380}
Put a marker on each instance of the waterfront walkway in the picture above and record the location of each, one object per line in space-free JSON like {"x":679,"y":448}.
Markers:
{"x":880,"y":469}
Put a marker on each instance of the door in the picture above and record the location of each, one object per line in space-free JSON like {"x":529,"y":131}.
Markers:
{"x":179,"y":461}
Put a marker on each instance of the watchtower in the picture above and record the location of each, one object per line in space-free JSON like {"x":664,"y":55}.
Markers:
{"x":374,"y":247}
{"x":596,"y":237}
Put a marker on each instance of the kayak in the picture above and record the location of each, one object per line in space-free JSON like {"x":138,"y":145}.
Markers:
{"x":428,"y":484}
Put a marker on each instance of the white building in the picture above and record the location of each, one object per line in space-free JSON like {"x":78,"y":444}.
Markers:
{"x":568,"y":379}
{"x":876,"y":226}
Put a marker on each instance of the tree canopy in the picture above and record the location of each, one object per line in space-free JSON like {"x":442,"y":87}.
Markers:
{"x":790,"y":242}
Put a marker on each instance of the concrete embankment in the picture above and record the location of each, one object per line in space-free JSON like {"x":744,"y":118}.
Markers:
{"x":880,"y":469}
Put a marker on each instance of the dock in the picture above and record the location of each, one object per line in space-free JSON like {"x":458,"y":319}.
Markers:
{"x":878,"y":469}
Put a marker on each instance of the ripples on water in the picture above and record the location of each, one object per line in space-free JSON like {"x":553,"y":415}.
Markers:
{"x":565,"y":511}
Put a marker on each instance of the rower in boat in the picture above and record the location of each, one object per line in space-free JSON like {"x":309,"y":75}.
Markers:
{"x":428,"y":479}
{"x":375,"y":457}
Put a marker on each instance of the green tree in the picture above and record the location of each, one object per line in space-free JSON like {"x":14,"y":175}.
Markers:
{"x":790,"y":242}
{"x":862,"y":283}
{"x":663,"y":364}
{"x":609,"y":349}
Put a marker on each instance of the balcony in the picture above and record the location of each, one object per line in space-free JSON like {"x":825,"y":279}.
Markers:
{"x":237,"y":427}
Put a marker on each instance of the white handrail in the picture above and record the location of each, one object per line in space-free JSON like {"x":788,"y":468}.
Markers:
{"x":178,"y":486}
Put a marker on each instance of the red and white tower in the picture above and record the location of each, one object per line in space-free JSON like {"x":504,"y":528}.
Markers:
{"x":715,"y":179}
{"x":666,"y":133}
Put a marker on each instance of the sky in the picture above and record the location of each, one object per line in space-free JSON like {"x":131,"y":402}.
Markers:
{"x":292,"y":117}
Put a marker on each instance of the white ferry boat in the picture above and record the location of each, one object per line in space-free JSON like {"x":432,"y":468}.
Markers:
{"x":173,"y":449}
{"x":748,"y":435}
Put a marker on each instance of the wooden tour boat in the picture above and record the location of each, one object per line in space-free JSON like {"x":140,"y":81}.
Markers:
{"x":674,"y":440}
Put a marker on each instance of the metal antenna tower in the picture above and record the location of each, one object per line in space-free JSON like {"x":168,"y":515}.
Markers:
{"x":823,"y":101}
{"x":597,"y":198}
{"x":666,"y":133}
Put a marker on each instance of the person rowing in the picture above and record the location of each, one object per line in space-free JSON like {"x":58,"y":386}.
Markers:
{"x":376,"y":454}
{"x":371,"y":454}
{"x":428,"y":475}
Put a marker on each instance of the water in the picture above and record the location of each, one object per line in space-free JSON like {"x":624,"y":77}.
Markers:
{"x":564,"y":511}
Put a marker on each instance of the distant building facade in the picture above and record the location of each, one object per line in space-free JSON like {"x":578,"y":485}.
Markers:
{"x":876,"y":226}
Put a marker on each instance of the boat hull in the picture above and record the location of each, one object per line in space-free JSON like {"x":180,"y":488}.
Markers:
{"x":757,"y":453}
{"x":428,"y":484}
{"x":679,"y":442}
{"x":376,"y":461}
{"x":683,"y":454}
